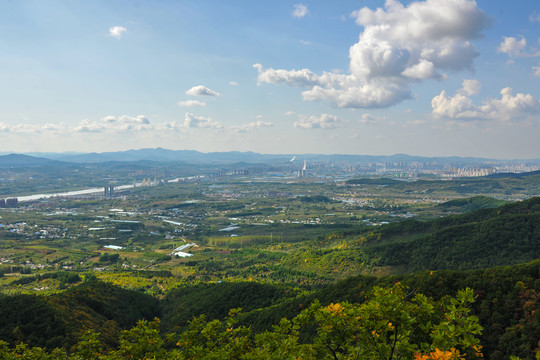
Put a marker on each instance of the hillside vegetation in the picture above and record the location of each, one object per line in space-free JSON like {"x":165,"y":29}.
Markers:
{"x":59,"y":320}
{"x":482,"y":238}
{"x":505,"y":306}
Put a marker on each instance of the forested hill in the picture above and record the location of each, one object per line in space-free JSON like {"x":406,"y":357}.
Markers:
{"x":507,"y":300}
{"x":470,"y":204}
{"x":507,"y":303}
{"x":58,"y":320}
{"x":506,"y":235}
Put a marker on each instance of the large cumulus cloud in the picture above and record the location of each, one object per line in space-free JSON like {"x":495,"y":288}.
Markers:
{"x":399,"y":45}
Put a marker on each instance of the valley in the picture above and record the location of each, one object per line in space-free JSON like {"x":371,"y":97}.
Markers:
{"x":263,"y":246}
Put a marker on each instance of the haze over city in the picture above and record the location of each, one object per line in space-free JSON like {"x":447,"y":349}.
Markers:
{"x":431,"y":78}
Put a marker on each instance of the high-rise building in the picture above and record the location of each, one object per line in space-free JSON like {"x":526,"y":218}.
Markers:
{"x":108,"y":191}
{"x":12,"y":202}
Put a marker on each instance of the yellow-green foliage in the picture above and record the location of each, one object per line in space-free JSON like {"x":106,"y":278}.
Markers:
{"x":391,"y":324}
{"x":153,"y":286}
{"x":237,"y":242}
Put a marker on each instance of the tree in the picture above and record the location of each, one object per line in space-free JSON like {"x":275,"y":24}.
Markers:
{"x":392,"y":325}
{"x":141,"y":342}
{"x":214,"y":339}
{"x":389,"y":324}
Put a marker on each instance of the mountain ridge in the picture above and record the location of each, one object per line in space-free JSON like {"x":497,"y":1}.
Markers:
{"x":22,"y":160}
{"x":226,"y":157}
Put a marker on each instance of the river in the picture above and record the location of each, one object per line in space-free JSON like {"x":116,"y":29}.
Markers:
{"x":96,"y":190}
{"x":72,"y":193}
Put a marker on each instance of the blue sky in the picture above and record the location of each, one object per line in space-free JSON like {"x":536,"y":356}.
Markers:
{"x":434,"y":77}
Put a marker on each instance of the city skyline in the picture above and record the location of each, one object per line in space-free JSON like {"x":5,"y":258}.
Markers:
{"x":430,"y":78}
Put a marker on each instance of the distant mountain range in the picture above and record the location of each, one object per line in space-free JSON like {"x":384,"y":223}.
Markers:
{"x":220,"y":158}
{"x":20,"y":160}
{"x":166,"y":155}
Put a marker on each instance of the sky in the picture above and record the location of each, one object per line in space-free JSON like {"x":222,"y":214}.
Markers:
{"x":431,"y":78}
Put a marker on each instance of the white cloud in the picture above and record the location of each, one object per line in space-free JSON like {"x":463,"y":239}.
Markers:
{"x":456,"y":107}
{"x":516,"y":48}
{"x":301,"y":78}
{"x":85,"y":126}
{"x":507,"y":107}
{"x":470,"y":87}
{"x":5,"y":127}
{"x":424,"y":69}
{"x":252,"y":126}
{"x":194,"y":121}
{"x":109,"y":118}
{"x":141,"y":119}
{"x":512,"y":46}
{"x":113,"y":124}
{"x":201,"y":91}
{"x":370,"y":119}
{"x":126,"y":119}
{"x":323,"y":121}
{"x":353,"y":94}
{"x":20,"y":128}
{"x":61,"y":127}
{"x":299,"y":11}
{"x":117,"y":31}
{"x":233,"y":83}
{"x":399,"y":45}
{"x":534,"y":17}
{"x":32,"y":128}
{"x":305,"y":42}
{"x":191,"y":103}
{"x":424,"y":34}
{"x":259,"y":124}
{"x":511,"y":106}
{"x":536,"y":70}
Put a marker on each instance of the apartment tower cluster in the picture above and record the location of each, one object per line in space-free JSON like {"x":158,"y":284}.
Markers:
{"x":11,"y":202}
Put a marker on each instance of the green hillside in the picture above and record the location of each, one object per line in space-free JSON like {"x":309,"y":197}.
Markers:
{"x":507,"y":300}
{"x":215,"y":300}
{"x":482,"y":238}
{"x":470,"y":204}
{"x":58,"y":320}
